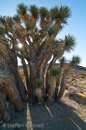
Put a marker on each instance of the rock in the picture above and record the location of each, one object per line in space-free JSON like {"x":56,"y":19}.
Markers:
{"x":72,"y":91}
{"x":80,"y":97}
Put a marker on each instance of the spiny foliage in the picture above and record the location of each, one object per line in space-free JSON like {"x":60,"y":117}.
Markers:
{"x":61,"y":13}
{"x":55,"y":71}
{"x":22,"y":9}
{"x":62,"y":61}
{"x":9,"y":20}
{"x":54,"y":13}
{"x":16,"y":18}
{"x":38,"y":83}
{"x":51,"y":30}
{"x":2,"y":30}
{"x":2,"y":20}
{"x":64,"y":13}
{"x":34,"y":11}
{"x":75,"y":61}
{"x":40,"y":101}
{"x":70,"y":42}
{"x":29,"y":26}
{"x":44,"y":13}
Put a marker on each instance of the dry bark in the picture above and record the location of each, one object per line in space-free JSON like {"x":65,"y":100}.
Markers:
{"x":4,"y":112}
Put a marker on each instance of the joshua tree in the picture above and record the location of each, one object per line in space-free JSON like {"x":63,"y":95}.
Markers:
{"x":38,"y":42}
{"x":64,"y":72}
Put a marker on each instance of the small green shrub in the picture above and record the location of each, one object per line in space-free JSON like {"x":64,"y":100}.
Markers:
{"x":55,"y":71}
{"x":40,"y":101}
{"x":38,"y":83}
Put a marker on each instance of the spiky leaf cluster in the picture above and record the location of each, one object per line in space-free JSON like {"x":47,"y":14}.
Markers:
{"x":54,"y":13}
{"x":9,"y":20}
{"x":38,"y":83}
{"x":34,"y":11}
{"x":70,"y":43}
{"x":16,"y":18}
{"x":75,"y":61}
{"x":55,"y":72}
{"x":2,"y":21}
{"x":62,"y":61}
{"x":64,"y":13}
{"x":52,"y":30}
{"x":22,"y":9}
{"x":61,"y":13}
{"x":29,"y":26}
{"x":44,"y":13}
{"x":2,"y":30}
{"x":40,"y":101}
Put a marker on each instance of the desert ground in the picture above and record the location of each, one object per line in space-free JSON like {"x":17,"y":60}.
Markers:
{"x":67,"y":114}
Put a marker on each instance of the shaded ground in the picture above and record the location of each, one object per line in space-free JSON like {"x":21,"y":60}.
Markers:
{"x":66,"y":115}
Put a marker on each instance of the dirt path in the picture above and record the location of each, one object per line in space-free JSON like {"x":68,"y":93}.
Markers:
{"x":66,"y":115}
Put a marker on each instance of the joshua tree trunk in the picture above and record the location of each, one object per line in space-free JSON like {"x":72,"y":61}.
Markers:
{"x":51,"y":89}
{"x":58,"y":82}
{"x":42,"y":78}
{"x":63,"y":82}
{"x":32,"y":82}
{"x":11,"y":90}
{"x":8,"y":85}
{"x":14,"y":68}
{"x":20,"y":86}
{"x":57,"y":87}
{"x":4,"y":112}
{"x":51,"y":80}
{"x":61,"y":92}
{"x":25,"y":73}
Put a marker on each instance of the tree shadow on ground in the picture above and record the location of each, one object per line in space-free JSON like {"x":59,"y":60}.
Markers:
{"x":79,"y":101}
{"x":47,"y":117}
{"x":55,"y":117}
{"x":18,"y":121}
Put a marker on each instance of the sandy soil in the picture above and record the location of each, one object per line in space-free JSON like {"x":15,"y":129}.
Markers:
{"x":65,"y":115}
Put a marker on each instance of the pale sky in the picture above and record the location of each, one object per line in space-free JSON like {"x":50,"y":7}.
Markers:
{"x":76,"y":23}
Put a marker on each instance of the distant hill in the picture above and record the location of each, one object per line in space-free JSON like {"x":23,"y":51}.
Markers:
{"x":79,"y":68}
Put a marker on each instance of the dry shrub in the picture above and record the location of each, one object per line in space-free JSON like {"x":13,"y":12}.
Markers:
{"x":83,"y":73}
{"x":38,"y":92}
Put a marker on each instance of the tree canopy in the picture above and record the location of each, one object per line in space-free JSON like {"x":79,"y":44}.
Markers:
{"x":36,"y":29}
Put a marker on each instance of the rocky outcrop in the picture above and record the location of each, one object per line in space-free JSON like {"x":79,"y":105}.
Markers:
{"x":76,"y":85}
